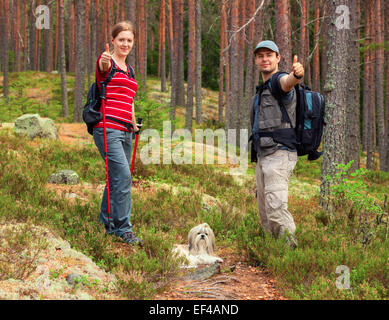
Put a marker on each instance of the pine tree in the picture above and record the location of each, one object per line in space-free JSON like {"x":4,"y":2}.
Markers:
{"x":79,"y":60}
{"x":283,"y":33}
{"x":191,"y":63}
{"x":334,"y":143}
{"x":198,"y":62}
{"x":379,"y":80}
{"x":353,"y":91}
{"x":62,"y":58}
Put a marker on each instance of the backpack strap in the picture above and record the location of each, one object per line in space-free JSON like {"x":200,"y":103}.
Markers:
{"x":275,"y":87}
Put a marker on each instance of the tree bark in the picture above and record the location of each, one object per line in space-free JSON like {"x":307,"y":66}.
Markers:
{"x":353,"y":93}
{"x":180,"y":93}
{"x":47,"y":44}
{"x":5,"y":31}
{"x":379,"y":80}
{"x":386,"y":168}
{"x":365,"y":113}
{"x":80,"y":60}
{"x":17,"y":5}
{"x":32,"y":36}
{"x":234,"y":65}
{"x":198,"y":62}
{"x":335,"y":90}
{"x":142,"y":43}
{"x":223,"y":45}
{"x":163,"y":45}
{"x":62,"y":58}
{"x":283,"y":34}
{"x":316,"y":54}
{"x":371,"y":88}
{"x":130,"y":10}
{"x":324,"y":44}
{"x":172,"y":62}
{"x":191,"y":63}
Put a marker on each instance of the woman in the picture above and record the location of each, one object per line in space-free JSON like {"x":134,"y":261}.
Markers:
{"x":119,"y":104}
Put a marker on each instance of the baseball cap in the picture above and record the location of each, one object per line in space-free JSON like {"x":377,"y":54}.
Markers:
{"x":267,"y":44}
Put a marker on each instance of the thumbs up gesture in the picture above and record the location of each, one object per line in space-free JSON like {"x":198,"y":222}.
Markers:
{"x":106,"y":57}
{"x":297,"y":68}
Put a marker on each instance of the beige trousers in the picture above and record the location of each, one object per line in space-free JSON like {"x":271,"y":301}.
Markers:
{"x":272,"y":175}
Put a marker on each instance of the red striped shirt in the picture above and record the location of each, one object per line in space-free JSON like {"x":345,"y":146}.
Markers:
{"x":119,"y":95}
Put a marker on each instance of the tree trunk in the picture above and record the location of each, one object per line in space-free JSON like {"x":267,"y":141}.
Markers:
{"x":198,"y":62}
{"x":249,"y":87}
{"x":142,"y":43}
{"x":227,"y":69}
{"x":234,"y":65}
{"x":259,"y":23}
{"x":163,"y":46}
{"x":62,"y":58}
{"x":283,"y":34}
{"x":379,"y":80}
{"x":223,"y":45}
{"x":5,"y":45}
{"x":130,"y":10}
{"x":324,"y":44}
{"x":191,"y":63}
{"x":365,"y":113}
{"x":303,"y":35}
{"x":80,"y":60}
{"x":353,"y":93}
{"x":316,"y":54}
{"x":180,"y":93}
{"x":48,"y":44}
{"x":387,"y":86}
{"x":371,"y":87}
{"x":173,"y":62}
{"x":17,"y":36}
{"x":336,"y":99}
{"x":32,"y":36}
{"x":71,"y":31}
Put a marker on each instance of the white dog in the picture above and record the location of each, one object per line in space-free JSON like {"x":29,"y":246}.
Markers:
{"x":200,"y":248}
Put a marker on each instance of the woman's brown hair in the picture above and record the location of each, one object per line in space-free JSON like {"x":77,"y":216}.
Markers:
{"x":122,"y":26}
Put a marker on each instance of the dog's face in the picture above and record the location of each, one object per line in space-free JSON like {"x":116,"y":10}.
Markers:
{"x":201,"y":240}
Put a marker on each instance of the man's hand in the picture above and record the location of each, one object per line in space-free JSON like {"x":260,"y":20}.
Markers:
{"x":289,"y":81}
{"x":297,"y":67}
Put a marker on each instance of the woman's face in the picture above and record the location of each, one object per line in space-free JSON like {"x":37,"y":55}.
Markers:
{"x":123,"y":43}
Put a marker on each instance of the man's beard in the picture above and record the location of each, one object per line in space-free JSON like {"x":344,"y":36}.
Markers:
{"x":268,"y":71}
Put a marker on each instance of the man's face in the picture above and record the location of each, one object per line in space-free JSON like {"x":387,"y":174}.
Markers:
{"x":267,"y":60}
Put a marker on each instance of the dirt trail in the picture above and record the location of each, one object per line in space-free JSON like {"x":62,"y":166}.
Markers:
{"x":237,"y":280}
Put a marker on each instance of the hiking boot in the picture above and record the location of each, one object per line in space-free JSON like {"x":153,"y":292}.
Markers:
{"x":130,"y":238}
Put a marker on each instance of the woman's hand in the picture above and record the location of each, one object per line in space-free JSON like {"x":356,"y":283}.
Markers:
{"x":105,"y":60}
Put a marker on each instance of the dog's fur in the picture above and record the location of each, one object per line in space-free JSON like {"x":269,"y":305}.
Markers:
{"x":200,"y":248}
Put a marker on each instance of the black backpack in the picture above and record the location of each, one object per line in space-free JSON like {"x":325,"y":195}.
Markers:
{"x":91,"y":113}
{"x":306,"y":136}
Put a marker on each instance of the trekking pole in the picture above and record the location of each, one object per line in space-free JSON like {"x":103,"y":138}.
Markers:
{"x":139,"y":125}
{"x":102,"y":96}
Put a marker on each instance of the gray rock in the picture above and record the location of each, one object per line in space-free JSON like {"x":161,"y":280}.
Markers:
{"x":64,"y":177}
{"x":205,"y":272}
{"x":71,"y":278}
{"x":32,"y":125}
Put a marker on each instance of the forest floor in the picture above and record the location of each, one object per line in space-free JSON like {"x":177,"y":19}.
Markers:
{"x":243,"y":282}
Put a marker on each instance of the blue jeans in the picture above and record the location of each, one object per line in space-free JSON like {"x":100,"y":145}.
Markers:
{"x":119,"y":147}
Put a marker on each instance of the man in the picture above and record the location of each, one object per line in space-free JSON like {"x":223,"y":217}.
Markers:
{"x":275,"y":160}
